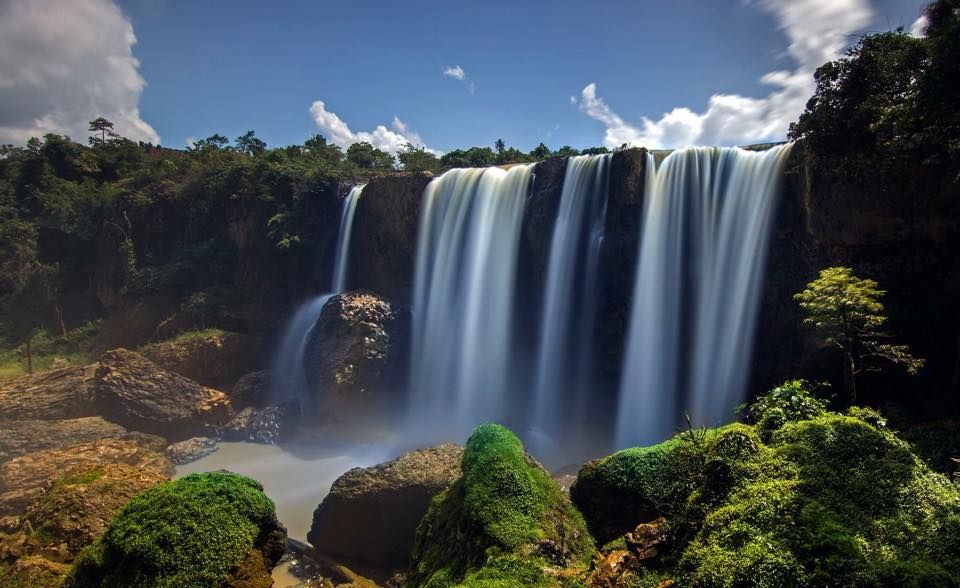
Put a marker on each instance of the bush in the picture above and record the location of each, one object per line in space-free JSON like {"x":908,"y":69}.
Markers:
{"x":791,"y":401}
{"x":183,"y":534}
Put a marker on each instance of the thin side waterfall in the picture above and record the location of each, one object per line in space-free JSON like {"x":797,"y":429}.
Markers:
{"x":288,"y":380}
{"x":563,"y":378}
{"x":463,"y":299}
{"x":706,"y":227}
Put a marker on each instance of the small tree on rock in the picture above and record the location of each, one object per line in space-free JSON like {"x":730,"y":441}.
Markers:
{"x":105,"y":128}
{"x":847,"y":313}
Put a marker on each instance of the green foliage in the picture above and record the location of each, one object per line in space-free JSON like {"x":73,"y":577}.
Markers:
{"x":183,"y":534}
{"x":791,"y":401}
{"x":847,"y":313}
{"x":417,"y":159}
{"x":889,"y":103}
{"x":483,"y":529}
{"x":828,"y":500}
{"x":367,"y":156}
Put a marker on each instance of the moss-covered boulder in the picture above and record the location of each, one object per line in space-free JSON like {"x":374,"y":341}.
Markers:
{"x":199,"y":531}
{"x":505,"y":523}
{"x":830,"y":500}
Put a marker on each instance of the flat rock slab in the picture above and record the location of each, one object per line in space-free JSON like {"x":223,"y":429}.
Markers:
{"x":22,"y":437}
{"x":63,"y":393}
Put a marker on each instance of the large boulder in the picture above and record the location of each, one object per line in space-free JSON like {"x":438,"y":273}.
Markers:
{"x":24,"y":478}
{"x":352,"y":351}
{"x":270,"y":424}
{"x":213,"y":358}
{"x":370,"y":515}
{"x":214,"y":529}
{"x":64,"y":393}
{"x":251,"y":389}
{"x":22,"y":437}
{"x":131,"y":390}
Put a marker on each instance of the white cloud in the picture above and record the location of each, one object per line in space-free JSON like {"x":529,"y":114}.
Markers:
{"x":817,"y":31}
{"x":919,"y":26}
{"x":64,"y":63}
{"x":456,"y":72}
{"x":339,"y":133}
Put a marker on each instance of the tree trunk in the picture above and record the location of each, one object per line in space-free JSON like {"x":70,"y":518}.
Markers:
{"x":63,"y":327}
{"x":850,"y":378}
{"x":29,"y":356}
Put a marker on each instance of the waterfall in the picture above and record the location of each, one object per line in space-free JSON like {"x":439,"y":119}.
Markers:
{"x":341,"y":263}
{"x":463,"y":295}
{"x":706,"y":225}
{"x":563,"y":378}
{"x":288,"y":379}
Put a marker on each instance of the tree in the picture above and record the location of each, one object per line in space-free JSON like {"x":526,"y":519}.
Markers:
{"x":415,"y":159}
{"x":847,"y":313}
{"x":105,"y":128}
{"x":566,"y":151}
{"x":367,"y":156}
{"x":251,"y":145}
{"x":540,"y":152}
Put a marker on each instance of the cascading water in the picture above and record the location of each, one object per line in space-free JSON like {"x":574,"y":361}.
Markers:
{"x":706,"y":226}
{"x":463,"y":300}
{"x":289,"y":381}
{"x":564,"y":380}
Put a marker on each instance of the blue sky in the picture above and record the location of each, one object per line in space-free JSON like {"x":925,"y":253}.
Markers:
{"x":207,"y":67}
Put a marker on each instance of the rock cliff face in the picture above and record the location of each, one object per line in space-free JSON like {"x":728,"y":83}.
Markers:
{"x":384,"y":240}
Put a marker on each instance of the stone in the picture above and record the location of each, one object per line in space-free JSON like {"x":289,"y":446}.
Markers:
{"x":52,"y":395}
{"x":269,"y":425}
{"x":22,"y":437}
{"x":252,"y":389}
{"x":213,"y":358}
{"x":134,"y":392}
{"x":24,"y":478}
{"x":183,"y":452}
{"x":371,"y":514}
{"x":75,"y":510}
{"x":351,"y":349}
{"x":646,"y":540}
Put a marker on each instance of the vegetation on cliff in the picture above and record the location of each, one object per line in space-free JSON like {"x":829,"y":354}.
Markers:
{"x":189,"y":533}
{"x":504,"y":523}
{"x":814,"y":498}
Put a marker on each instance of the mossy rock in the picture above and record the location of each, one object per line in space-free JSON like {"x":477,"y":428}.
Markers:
{"x":504,"y":523}
{"x":194,"y":532}
{"x":829,"y":501}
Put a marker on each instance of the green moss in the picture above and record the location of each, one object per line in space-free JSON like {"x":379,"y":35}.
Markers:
{"x":487,"y":528}
{"x":186,"y":533}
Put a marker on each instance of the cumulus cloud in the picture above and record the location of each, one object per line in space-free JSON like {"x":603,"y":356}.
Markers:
{"x":817,"y":31}
{"x":339,"y":133}
{"x":456,"y":72}
{"x":64,"y":63}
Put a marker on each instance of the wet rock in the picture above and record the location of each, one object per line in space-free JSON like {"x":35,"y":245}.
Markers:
{"x":212,"y":358}
{"x":350,"y":353}
{"x":371,"y":514}
{"x":53,"y":395}
{"x":270,"y":425}
{"x":22,"y":437}
{"x":251,"y":389}
{"x":131,"y":390}
{"x":183,"y":452}
{"x":24,"y":478}
{"x":611,"y":569}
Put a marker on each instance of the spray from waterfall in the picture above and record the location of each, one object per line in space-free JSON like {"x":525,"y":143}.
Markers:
{"x":564,"y":379}
{"x":707,"y":219}
{"x":288,"y":379}
{"x":463,"y":300}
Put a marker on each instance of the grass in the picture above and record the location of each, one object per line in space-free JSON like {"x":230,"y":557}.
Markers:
{"x":74,"y":348}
